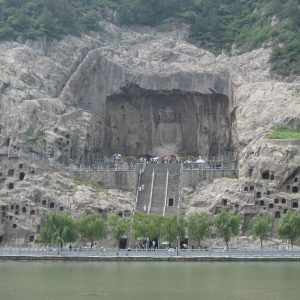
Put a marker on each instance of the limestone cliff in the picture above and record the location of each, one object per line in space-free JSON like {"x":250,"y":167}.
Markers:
{"x":78,"y":100}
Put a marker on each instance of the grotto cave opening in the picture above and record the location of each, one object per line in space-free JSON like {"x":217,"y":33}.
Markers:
{"x":163,"y":122}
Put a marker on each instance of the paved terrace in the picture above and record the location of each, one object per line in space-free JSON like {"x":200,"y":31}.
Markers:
{"x":103,"y":254}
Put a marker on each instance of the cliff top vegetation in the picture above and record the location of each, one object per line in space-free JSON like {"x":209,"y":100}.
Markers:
{"x":215,"y":24}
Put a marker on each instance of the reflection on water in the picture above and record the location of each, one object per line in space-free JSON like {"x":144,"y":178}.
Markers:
{"x":149,"y":280}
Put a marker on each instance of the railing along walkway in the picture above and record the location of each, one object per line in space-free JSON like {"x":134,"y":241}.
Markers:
{"x":100,"y":252}
{"x":43,"y":160}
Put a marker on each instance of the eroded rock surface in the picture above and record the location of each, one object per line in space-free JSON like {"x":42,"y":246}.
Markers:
{"x":80,"y":99}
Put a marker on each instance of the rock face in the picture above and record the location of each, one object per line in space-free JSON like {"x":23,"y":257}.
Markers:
{"x":268,"y":182}
{"x":80,"y":99}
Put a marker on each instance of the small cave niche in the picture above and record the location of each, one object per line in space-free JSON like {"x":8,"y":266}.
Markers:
{"x":120,"y":214}
{"x":32,"y":172}
{"x":283,"y":201}
{"x":236,"y":206}
{"x":1,"y":174}
{"x":268,"y":192}
{"x":32,"y":212}
{"x":61,"y":209}
{"x":171,"y":202}
{"x":295,"y":189}
{"x":258,"y":194}
{"x":31,"y":239}
{"x":265,"y":175}
{"x":272,"y":177}
{"x":277,"y":214}
{"x":11,"y":186}
{"x":288,"y":188}
{"x":14,"y":226}
{"x":17,"y":206}
{"x":224,"y":202}
{"x":44,"y":202}
{"x":12,"y":207}
{"x":250,"y":172}
{"x":261,"y":203}
{"x":67,"y":136}
{"x":24,"y":209}
{"x":251,"y":188}
{"x":295,"y":204}
{"x":246,"y":189}
{"x":1,"y":239}
{"x":285,"y":210}
{"x":296,"y":179}
{"x":271,"y":206}
{"x":55,"y":130}
{"x":276,"y":201}
{"x":256,"y":202}
{"x":21,"y":166}
{"x":11,"y":172}
{"x":10,"y":218}
{"x":7,"y":142}
{"x":21,"y":176}
{"x":127,"y":213}
{"x":51,"y":205}
{"x":16,"y":212}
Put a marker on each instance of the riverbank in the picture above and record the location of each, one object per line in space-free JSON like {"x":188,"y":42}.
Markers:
{"x":111,"y":254}
{"x":228,"y":258}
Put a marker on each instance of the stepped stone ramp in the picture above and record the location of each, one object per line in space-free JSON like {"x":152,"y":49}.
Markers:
{"x":144,"y":195}
{"x":159,"y":189}
{"x":173,"y":191}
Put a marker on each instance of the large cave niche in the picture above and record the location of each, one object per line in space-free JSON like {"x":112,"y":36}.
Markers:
{"x":140,"y":121}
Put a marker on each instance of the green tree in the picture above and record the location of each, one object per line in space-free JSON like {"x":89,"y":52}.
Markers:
{"x":228,"y":225}
{"x":146,"y":226}
{"x":261,"y":226}
{"x":57,"y":228}
{"x":173,"y":228}
{"x":118,"y":226}
{"x":199,"y":226}
{"x":289,"y":227}
{"x":92,"y":227}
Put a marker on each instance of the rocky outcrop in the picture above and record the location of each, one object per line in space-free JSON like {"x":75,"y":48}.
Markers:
{"x":269,"y":181}
{"x":145,"y":92}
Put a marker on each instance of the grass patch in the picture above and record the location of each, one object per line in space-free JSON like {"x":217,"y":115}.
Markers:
{"x":35,"y":139}
{"x":284,"y":131}
{"x":97,"y":187}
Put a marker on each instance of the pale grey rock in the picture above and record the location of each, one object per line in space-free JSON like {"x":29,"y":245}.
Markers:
{"x":57,"y":91}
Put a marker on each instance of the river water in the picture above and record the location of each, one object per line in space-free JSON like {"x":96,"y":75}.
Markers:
{"x":149,"y":280}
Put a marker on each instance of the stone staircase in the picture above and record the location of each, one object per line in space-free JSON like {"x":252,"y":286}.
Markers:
{"x":173,"y":191}
{"x":145,"y":189}
{"x":159,"y":189}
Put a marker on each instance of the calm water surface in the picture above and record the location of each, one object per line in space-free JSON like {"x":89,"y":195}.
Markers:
{"x":149,"y":280}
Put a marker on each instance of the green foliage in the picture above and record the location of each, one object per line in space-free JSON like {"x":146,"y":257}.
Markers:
{"x":118,"y":226}
{"x":53,"y":18}
{"x":146,"y":226}
{"x":92,"y":227}
{"x":35,"y":139}
{"x":215,"y":24}
{"x":289,"y":227}
{"x":199,"y":226}
{"x":173,"y":228}
{"x":284,"y":131}
{"x":57,"y":228}
{"x":261,"y":226}
{"x":228,"y":225}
